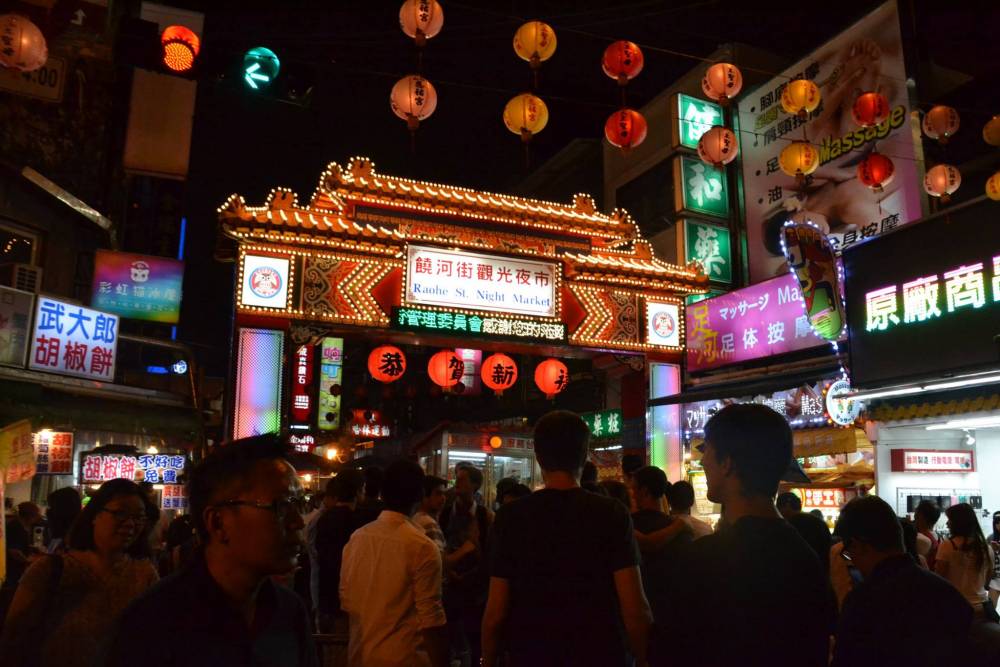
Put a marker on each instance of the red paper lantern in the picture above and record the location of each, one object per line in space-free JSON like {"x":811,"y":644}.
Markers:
{"x":876,"y":171}
{"x":445,"y":368}
{"x":718,"y":146}
{"x":870,"y":109}
{"x":625,"y":129}
{"x":622,"y":61}
{"x":387,"y":363}
{"x":722,"y":82}
{"x":499,"y":372}
{"x":940,"y":123}
{"x":551,"y":376}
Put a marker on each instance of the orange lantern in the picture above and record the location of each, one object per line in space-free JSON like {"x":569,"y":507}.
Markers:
{"x":535,"y":42}
{"x":551,"y":376}
{"x":991,"y":131}
{"x":993,"y":187}
{"x":421,"y":19}
{"x":876,"y":171}
{"x":870,"y":109}
{"x":499,"y":372}
{"x":445,"y":368}
{"x":722,"y":82}
{"x":798,"y":159}
{"x":800,"y":97}
{"x":525,"y":115}
{"x":387,"y":363}
{"x":24,"y":47}
{"x":180,"y":47}
{"x":940,"y":123}
{"x":942,"y":181}
{"x":413,"y":99}
{"x":622,"y":61}
{"x":718,"y":146}
{"x":625,"y":129}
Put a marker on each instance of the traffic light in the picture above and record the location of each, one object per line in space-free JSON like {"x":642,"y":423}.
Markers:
{"x":260,"y":68}
{"x":180,"y":48}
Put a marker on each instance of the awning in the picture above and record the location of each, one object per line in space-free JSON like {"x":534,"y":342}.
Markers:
{"x":887,"y":410}
{"x":758,"y":385}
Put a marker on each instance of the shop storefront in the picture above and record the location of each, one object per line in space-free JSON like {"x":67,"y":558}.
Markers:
{"x":444,"y":311}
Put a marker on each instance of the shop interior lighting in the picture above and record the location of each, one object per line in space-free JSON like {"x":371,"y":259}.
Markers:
{"x":907,"y":390}
{"x":467,"y":456}
{"x":965,"y":424}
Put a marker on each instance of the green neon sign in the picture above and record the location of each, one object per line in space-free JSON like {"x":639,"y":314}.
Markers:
{"x":694,"y":118}
{"x":484,"y":326}
{"x":702,"y":187}
{"x":260,"y":67}
{"x":604,"y":424}
{"x":709,"y":246}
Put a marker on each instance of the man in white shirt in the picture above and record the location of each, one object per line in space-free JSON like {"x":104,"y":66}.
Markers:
{"x":390,"y":583}
{"x":681,"y":497}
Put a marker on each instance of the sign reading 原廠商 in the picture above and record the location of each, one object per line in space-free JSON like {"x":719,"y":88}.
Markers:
{"x":473,"y":281}
{"x":73,"y":340}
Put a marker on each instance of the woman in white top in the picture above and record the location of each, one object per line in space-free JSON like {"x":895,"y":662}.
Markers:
{"x":966,"y":560}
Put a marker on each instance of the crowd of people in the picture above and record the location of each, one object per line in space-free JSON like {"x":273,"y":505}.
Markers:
{"x":579,"y":572}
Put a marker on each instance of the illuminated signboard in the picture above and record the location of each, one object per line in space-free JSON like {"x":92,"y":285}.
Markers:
{"x":139,"y":287}
{"x":931,"y":293}
{"x":481,"y":326}
{"x":709,"y":246}
{"x":302,"y":443}
{"x":302,"y":380}
{"x":663,"y":324}
{"x":604,"y":424}
{"x":932,"y":460}
{"x":331,"y":372}
{"x":265,"y":282}
{"x":53,"y":453}
{"x":693,"y":118}
{"x":174,"y":497}
{"x":473,"y":281}
{"x":699,"y":188}
{"x":152,"y":468}
{"x":73,"y":340}
{"x":257,"y":397}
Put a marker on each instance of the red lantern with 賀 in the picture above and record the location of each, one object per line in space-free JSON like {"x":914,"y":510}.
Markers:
{"x":876,"y":171}
{"x":387,"y":363}
{"x":445,"y":368}
{"x":625,"y":129}
{"x":870,"y":109}
{"x":499,"y":372}
{"x":551,"y":376}
{"x":622,"y":61}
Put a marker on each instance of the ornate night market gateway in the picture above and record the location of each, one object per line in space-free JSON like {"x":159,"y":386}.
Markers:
{"x":397,"y":260}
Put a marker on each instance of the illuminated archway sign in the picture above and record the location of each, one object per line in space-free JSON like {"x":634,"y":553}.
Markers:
{"x":260,"y":67}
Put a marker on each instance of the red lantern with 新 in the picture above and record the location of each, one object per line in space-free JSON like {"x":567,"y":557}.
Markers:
{"x":876,"y":171}
{"x":870,"y":109}
{"x":445,"y":368}
{"x":499,"y":372}
{"x":625,"y":129}
{"x":622,"y":61}
{"x":551,"y":376}
{"x":387,"y":363}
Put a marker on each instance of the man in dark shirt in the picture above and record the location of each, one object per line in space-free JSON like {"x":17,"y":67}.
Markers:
{"x":755,"y":571}
{"x":246,"y":502}
{"x":333,"y":531}
{"x":900,"y":614}
{"x":564,"y":566}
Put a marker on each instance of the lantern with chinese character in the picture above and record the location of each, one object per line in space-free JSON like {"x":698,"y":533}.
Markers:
{"x":535,"y":42}
{"x":993,"y":187}
{"x":942,"y":181}
{"x":722,"y":82}
{"x":991,"y":131}
{"x":625,"y":129}
{"x":718,"y":146}
{"x":870,"y":109}
{"x":413,"y":99}
{"x":799,"y":159}
{"x":525,"y":115}
{"x":23,"y":45}
{"x":800,"y":97}
{"x":421,"y":19}
{"x":499,"y":372}
{"x":876,"y":171}
{"x":180,"y":48}
{"x":387,"y":363}
{"x":622,"y":61}
{"x":445,"y":368}
{"x":940,"y":123}
{"x":551,"y":376}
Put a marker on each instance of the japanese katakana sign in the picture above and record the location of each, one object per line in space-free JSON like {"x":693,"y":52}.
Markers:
{"x":700,"y":188}
{"x":708,"y":245}
{"x":436,"y":277}
{"x":604,"y":424}
{"x":138,"y":286}
{"x":693,"y":118}
{"x":73,"y":340}
{"x":480,"y":326}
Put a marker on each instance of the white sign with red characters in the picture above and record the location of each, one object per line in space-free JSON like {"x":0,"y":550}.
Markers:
{"x":265,"y":282}
{"x":925,"y":460}
{"x":97,"y":468}
{"x":436,"y":277}
{"x":73,"y":340}
{"x":823,"y":498}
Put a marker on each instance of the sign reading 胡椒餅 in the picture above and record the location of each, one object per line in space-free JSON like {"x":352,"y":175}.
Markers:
{"x":138,"y":286}
{"x":699,"y":188}
{"x":482,"y":326}
{"x":868,"y":56}
{"x":473,"y":281}
{"x":709,"y":246}
{"x":73,"y":340}
{"x":604,"y":424}
{"x":53,"y":453}
{"x":693,"y":117}
{"x":152,"y":468}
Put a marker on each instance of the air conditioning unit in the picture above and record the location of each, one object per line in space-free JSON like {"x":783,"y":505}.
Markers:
{"x":27,"y":277}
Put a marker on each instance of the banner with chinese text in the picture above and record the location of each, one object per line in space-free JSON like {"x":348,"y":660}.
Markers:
{"x":53,"y":453}
{"x":17,"y":453}
{"x":709,"y":246}
{"x":140,"y":287}
{"x":73,"y":340}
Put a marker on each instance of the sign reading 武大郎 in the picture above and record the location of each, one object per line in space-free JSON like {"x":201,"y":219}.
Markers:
{"x":73,"y":340}
{"x":473,"y":281}
{"x":265,"y":281}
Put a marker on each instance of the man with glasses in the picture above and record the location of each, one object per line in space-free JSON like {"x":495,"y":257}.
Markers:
{"x":901,"y":614}
{"x":246,"y":502}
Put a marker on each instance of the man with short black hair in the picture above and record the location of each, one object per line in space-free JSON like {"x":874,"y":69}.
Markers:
{"x":426,"y":517}
{"x":246,"y":502}
{"x":900,"y":614}
{"x":390,"y":583}
{"x":681,"y":499}
{"x":758,"y":569}
{"x":333,"y":529}
{"x":564,"y":564}
{"x":926,"y":516}
{"x":788,"y":504}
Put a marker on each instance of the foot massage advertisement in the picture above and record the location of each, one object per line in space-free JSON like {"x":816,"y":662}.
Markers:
{"x":866,"y":57}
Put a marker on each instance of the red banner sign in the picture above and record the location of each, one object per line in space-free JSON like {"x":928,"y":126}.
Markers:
{"x":302,"y":380}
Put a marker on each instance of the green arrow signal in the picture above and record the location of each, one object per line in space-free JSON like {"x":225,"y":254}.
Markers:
{"x":251,"y":76}
{"x":260,"y":67}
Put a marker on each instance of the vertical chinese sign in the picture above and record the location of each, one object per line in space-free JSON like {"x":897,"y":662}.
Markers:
{"x":709,"y":246}
{"x":138,"y":286}
{"x":693,"y":118}
{"x":302,"y":381}
{"x":73,"y":340}
{"x":53,"y":453}
{"x":700,"y":188}
{"x":331,"y":365}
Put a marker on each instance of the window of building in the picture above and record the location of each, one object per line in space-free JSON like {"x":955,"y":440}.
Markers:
{"x":17,"y":246}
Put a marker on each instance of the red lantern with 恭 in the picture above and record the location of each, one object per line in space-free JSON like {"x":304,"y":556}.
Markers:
{"x":445,"y":368}
{"x":870,"y":109}
{"x":387,"y":363}
{"x":625,"y":129}
{"x":622,"y":61}
{"x":876,"y":171}
{"x":499,"y":372}
{"x":551,"y":376}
